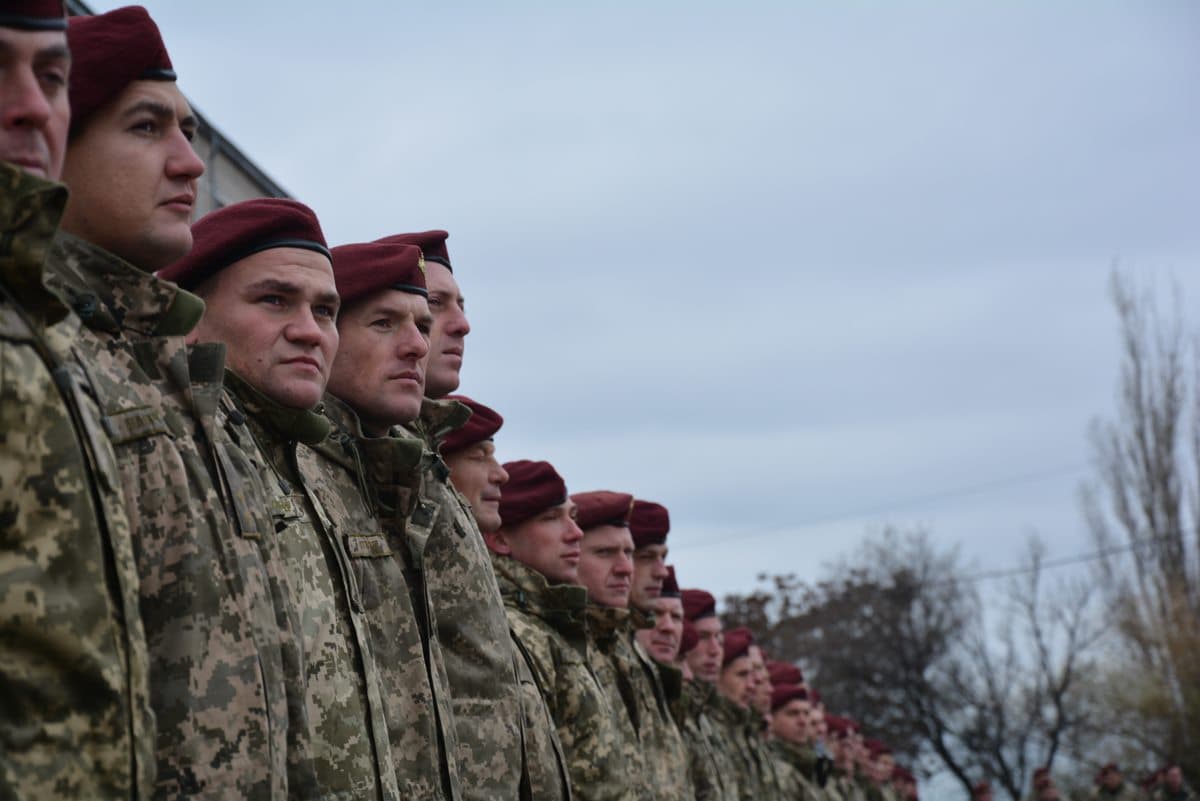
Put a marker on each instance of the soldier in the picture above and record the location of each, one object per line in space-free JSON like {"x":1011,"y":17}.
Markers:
{"x":1112,"y":785}
{"x":791,"y":740}
{"x":738,"y":684}
{"x":703,"y":708}
{"x":469,"y":634}
{"x":982,"y":791}
{"x":75,"y":719}
{"x":220,"y":630}
{"x":264,"y":270}
{"x":470,"y":453}
{"x":377,"y":381}
{"x":536,"y":552}
{"x":1172,"y":788}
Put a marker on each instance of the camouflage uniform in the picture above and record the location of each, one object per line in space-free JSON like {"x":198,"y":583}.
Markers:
{"x":349,"y":739}
{"x":1125,"y":791}
{"x":549,"y":624}
{"x":468,"y":631}
{"x":337,"y":471}
{"x":612,"y":665}
{"x":797,"y":766}
{"x":738,"y":730}
{"x":217,"y":636}
{"x":713,"y":766}
{"x":75,"y":719}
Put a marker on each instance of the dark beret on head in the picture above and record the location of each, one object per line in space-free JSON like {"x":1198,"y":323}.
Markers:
{"x":670,"y":587}
{"x":109,"y":52}
{"x":784,"y":673}
{"x":737,"y":644}
{"x":785,"y":693}
{"x":532,"y":488}
{"x":698,"y":604}
{"x":363,"y":269}
{"x":690,"y":638}
{"x":482,"y":425}
{"x":982,"y":787}
{"x":649,"y":524}
{"x":602,"y":508}
{"x":431,"y":243}
{"x":228,"y":235}
{"x":33,"y":15}
{"x":814,"y":696}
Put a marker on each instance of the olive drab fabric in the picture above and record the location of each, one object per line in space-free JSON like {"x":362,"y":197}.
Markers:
{"x":75,"y":719}
{"x":215,"y":643}
{"x":348,"y":735}
{"x":337,"y":469}
{"x":468,"y":625}
{"x":549,"y":622}
{"x":713,"y":765}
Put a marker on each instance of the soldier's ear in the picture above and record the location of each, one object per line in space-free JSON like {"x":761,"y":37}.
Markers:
{"x":497,"y":542}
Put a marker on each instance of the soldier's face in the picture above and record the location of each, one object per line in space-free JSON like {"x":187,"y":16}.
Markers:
{"x":1173,"y":777}
{"x":132,"y":173}
{"x":606,"y":565}
{"x":705,"y":658}
{"x":276,"y":312}
{"x":379,"y":369}
{"x":548,"y":542}
{"x":737,"y":681}
{"x":649,"y":573}
{"x":790,"y":721}
{"x":34,"y":111}
{"x":477,"y":474}
{"x":817,"y":724}
{"x":450,"y":329}
{"x":884,"y":763}
{"x":662,"y":641}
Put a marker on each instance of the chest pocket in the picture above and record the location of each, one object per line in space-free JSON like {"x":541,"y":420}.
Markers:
{"x":142,"y":441}
{"x":374,"y":567}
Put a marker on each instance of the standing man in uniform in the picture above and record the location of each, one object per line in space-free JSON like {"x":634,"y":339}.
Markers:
{"x":468,"y":631}
{"x":75,"y":719}
{"x":470,"y":453}
{"x":220,"y":632}
{"x":536,"y":553}
{"x":701,"y":705}
{"x":265,"y":273}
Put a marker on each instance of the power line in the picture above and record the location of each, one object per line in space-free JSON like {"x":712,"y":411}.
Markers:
{"x":1064,"y":561}
{"x":891,"y":506}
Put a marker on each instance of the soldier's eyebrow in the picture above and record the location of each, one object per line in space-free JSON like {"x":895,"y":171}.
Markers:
{"x":160,"y":111}
{"x":275,"y":285}
{"x":49,"y":53}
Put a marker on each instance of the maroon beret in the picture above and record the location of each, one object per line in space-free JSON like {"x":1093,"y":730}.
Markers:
{"x":981,"y":787}
{"x":228,"y":235}
{"x":109,"y":52}
{"x":1041,"y":781}
{"x":602,"y":508}
{"x":1040,"y":772}
{"x":689,"y":639}
{"x":532,"y":487}
{"x":852,"y":725}
{"x":783,"y":693}
{"x":34,"y":15}
{"x":698,"y":604}
{"x":877,"y":748}
{"x":431,"y":243}
{"x":670,"y":587}
{"x":649,"y":524}
{"x":482,"y":425}
{"x":784,"y":673}
{"x":814,"y":696}
{"x":835,"y":724}
{"x":366,"y":268}
{"x":737,"y":644}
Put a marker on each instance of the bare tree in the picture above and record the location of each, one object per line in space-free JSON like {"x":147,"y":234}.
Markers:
{"x":896,"y":638}
{"x":1143,"y":512}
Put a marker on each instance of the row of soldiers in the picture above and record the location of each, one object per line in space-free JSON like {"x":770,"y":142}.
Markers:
{"x":253,"y":547}
{"x":1165,"y":784}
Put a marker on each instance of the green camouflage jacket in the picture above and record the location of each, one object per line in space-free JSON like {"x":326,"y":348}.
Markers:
{"x":797,"y":763}
{"x":338,"y":471}
{"x":713,"y":765}
{"x":612,"y":662}
{"x":75,"y":718}
{"x":469,"y":631}
{"x":738,"y":730}
{"x":347,"y":730}
{"x":218,"y":685}
{"x":549,"y":623}
{"x":663,"y":752}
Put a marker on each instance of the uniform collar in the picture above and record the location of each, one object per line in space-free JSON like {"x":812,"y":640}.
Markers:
{"x":30,"y":210}
{"x":308,"y":426}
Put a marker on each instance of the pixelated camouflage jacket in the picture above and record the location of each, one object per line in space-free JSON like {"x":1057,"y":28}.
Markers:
{"x":216,"y":675}
{"x":75,"y":717}
{"x":340,"y":471}
{"x":550,"y":624}
{"x":795,"y":763}
{"x":664,"y":753}
{"x":613,"y":664}
{"x":343,"y":688}
{"x":470,"y":630}
{"x":714,"y":767}
{"x":741,"y":729}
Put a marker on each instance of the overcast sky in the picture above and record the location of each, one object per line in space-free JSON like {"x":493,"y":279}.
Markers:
{"x":794,"y":270}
